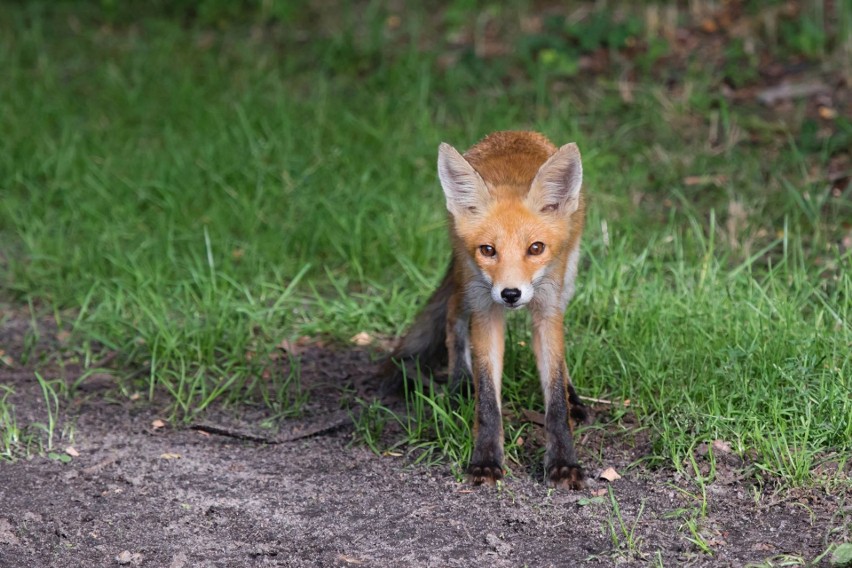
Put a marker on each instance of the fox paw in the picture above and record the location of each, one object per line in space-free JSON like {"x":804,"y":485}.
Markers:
{"x":488,"y":473}
{"x":566,"y":475}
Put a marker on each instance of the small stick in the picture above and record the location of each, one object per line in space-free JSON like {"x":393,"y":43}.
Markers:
{"x":598,"y":400}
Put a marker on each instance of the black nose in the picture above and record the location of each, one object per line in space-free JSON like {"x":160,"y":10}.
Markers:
{"x":510,"y":295}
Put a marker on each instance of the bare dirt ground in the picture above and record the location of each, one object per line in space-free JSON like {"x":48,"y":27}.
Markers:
{"x":175,"y":497}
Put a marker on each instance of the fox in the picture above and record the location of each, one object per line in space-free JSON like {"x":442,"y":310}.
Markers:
{"x":516,"y":213}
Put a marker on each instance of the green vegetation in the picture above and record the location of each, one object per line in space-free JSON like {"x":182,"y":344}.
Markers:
{"x":195,"y":186}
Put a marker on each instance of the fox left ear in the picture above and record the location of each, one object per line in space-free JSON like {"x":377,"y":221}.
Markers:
{"x":556,"y":186}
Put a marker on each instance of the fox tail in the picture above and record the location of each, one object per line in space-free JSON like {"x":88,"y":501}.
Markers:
{"x":423,"y":346}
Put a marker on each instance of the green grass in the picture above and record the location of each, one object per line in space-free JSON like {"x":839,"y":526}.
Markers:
{"x":192,"y":194}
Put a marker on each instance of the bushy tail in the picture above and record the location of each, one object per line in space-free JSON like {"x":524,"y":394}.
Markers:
{"x":424,"y":344}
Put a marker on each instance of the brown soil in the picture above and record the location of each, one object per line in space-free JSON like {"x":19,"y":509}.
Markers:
{"x":173,"y":496}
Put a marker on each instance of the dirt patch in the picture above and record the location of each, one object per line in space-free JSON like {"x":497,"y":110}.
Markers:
{"x":138,"y":495}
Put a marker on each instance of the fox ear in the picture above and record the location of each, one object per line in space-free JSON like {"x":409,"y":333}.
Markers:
{"x":464,"y":189}
{"x":556,"y":186}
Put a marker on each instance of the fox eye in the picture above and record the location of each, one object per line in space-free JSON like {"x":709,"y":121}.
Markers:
{"x":487,"y":250}
{"x":536,"y":248}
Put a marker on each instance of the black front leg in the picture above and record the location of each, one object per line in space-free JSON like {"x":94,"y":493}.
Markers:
{"x":486,"y":463}
{"x":560,"y":459}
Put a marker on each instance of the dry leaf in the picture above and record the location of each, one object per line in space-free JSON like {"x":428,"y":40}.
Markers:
{"x":170,"y":456}
{"x":718,"y":180}
{"x":609,"y":474}
{"x":349,"y":559}
{"x":721,"y":447}
{"x":72,"y":452}
{"x":598,"y":492}
{"x":361,"y":339}
{"x":296,"y":347}
{"x":156,"y":424}
{"x":827,"y":113}
{"x":786,"y":91}
{"x":625,"y":90}
{"x":534,"y":417}
{"x":737,"y":217}
{"x":393,"y":22}
{"x":135,"y":396}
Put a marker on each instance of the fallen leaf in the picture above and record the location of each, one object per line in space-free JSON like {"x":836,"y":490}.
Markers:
{"x":170,"y":456}
{"x":827,"y":113}
{"x":737,"y":217}
{"x":717,"y":180}
{"x":361,"y":339}
{"x":609,"y":474}
{"x":393,"y":22}
{"x":785,"y":91}
{"x":157,"y":424}
{"x":709,"y":26}
{"x":125,"y":557}
{"x":392,"y":454}
{"x":295,"y":347}
{"x":349,"y":559}
{"x":135,"y":396}
{"x":721,"y":447}
{"x":598,"y":492}
{"x":72,"y":452}
{"x":533,"y":416}
{"x":625,"y":90}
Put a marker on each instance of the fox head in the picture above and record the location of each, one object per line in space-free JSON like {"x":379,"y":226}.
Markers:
{"x":515,"y":237}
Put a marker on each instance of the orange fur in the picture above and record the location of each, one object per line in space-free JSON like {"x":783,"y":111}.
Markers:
{"x":517,"y":212}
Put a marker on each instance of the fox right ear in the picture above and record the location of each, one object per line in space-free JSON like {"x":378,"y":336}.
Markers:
{"x":464,"y":188}
{"x":556,"y":186}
